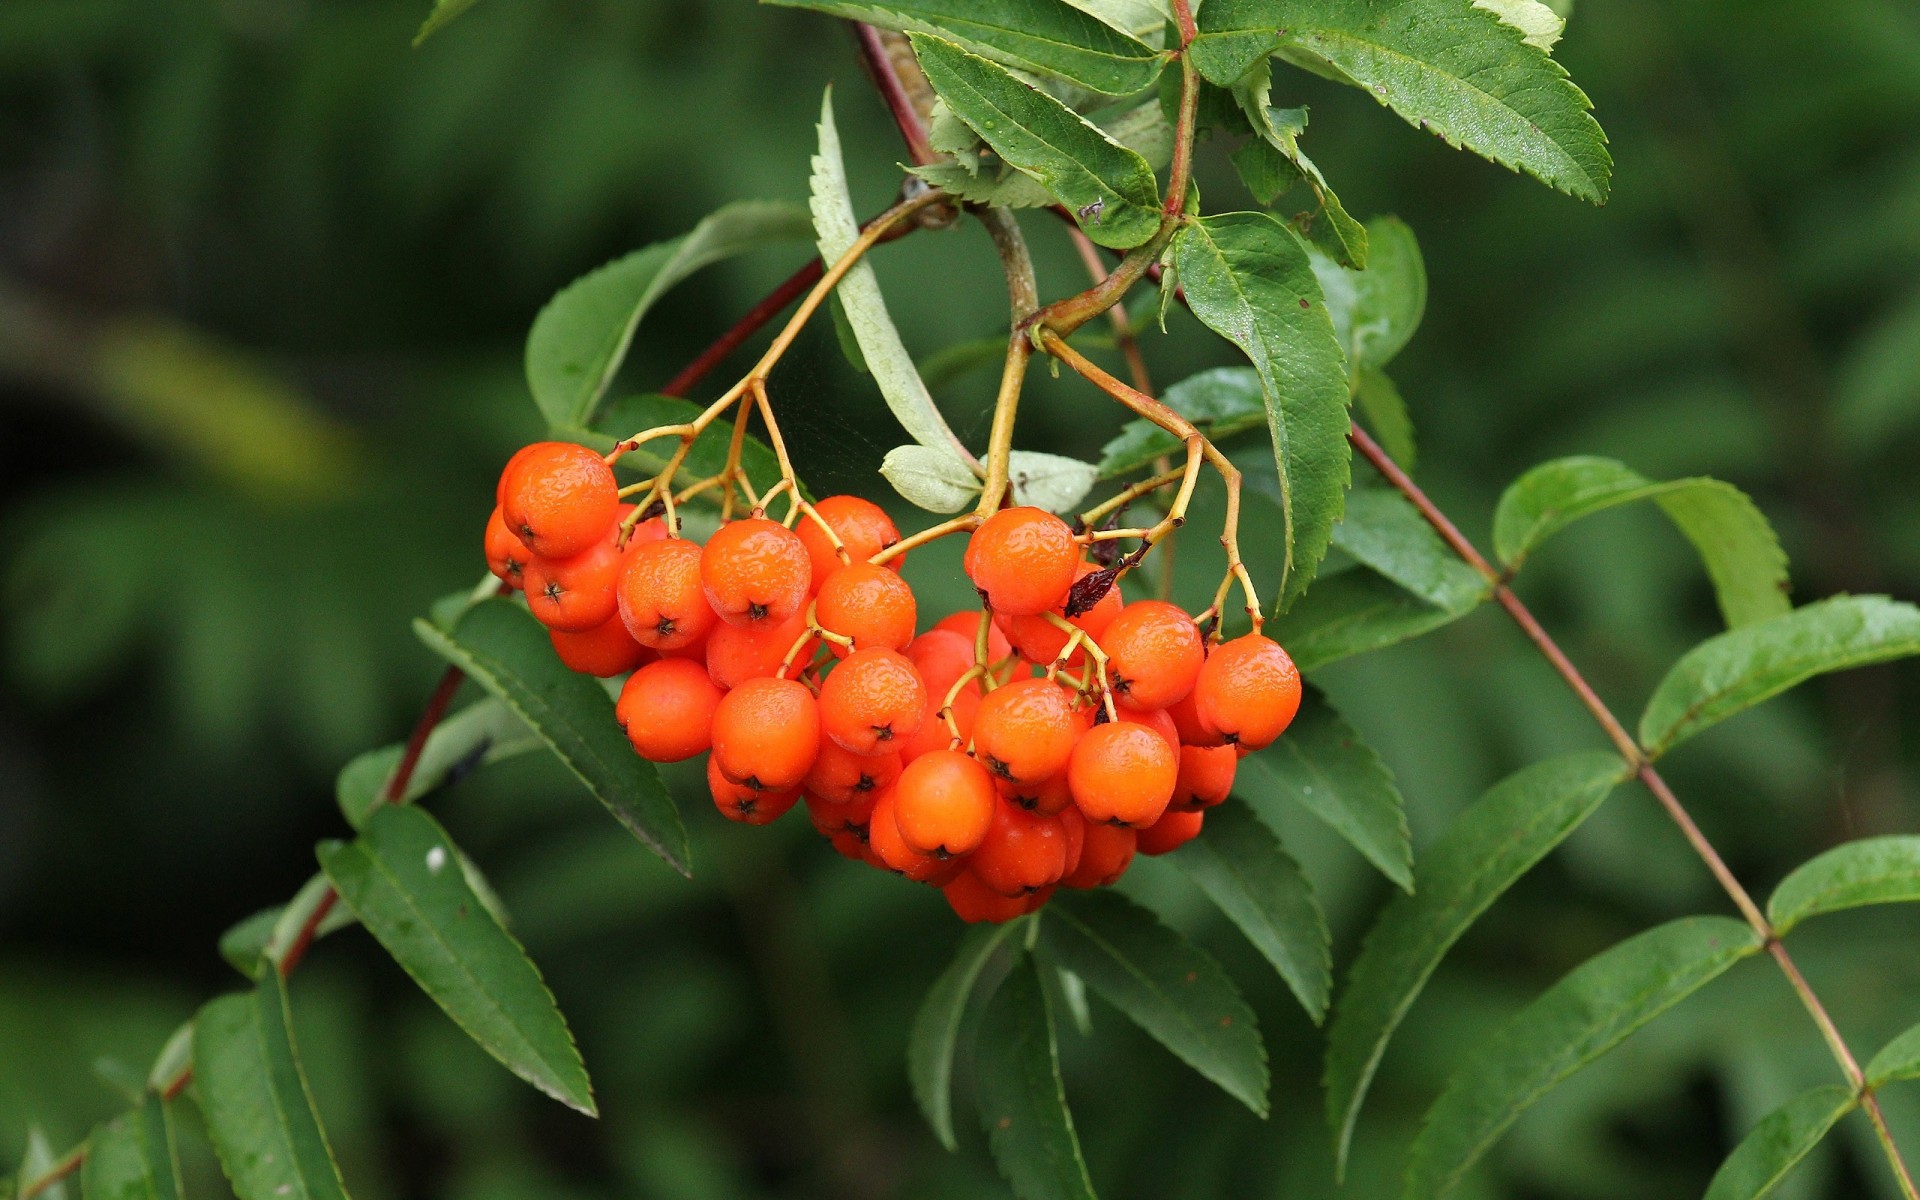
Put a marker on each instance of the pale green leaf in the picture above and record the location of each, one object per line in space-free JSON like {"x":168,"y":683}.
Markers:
{"x":1738,"y":669}
{"x":936,"y":1027}
{"x":36,"y":1162}
{"x":402,"y":877}
{"x":1772,"y":1149}
{"x":1539,"y":25}
{"x":1375,"y":311}
{"x":1248,"y":278}
{"x":1881,"y":870}
{"x":174,"y":1060}
{"x":1580,"y":1018}
{"x":1052,"y":482}
{"x":929,"y":479}
{"x":444,"y":11}
{"x":1164,"y":984}
{"x":1351,"y":613}
{"x":1023,"y":1104}
{"x":1489,"y":846}
{"x":132,"y":1157}
{"x":1220,"y":402}
{"x":1146,"y":20}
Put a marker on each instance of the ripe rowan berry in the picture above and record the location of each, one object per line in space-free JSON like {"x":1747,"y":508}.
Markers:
{"x":660,"y":597}
{"x":833,"y":819}
{"x":973,"y":901}
{"x":745,"y":802}
{"x":1206,"y":777}
{"x":1022,"y":851}
{"x":1158,"y":720}
{"x":853,"y":844}
{"x":934,"y":733}
{"x":1172,"y":831}
{"x":1124,"y":773}
{"x":735,"y":654}
{"x":862,"y":526}
{"x":519,"y":456}
{"x":1248,"y":691}
{"x":1186,"y":722}
{"x":667,"y":710}
{"x":943,"y":803}
{"x":1105,"y":855}
{"x":872,"y":700}
{"x":967,"y":624}
{"x":1041,"y":641}
{"x":1154,"y":653}
{"x":755,"y":572}
{"x":766,"y":732}
{"x":1026,"y":730}
{"x":605,"y":650}
{"x":942,"y":657}
{"x":506,"y":555}
{"x":842,"y":777}
{"x":575,"y":594}
{"x":883,"y":835}
{"x":1048,"y":796}
{"x":1021,"y":561}
{"x":1076,"y":826}
{"x":869,"y":604}
{"x":558,"y":498}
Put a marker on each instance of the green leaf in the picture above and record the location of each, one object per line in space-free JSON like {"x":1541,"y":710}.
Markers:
{"x":1899,"y":1059}
{"x":1383,"y":529}
{"x":1323,"y":766}
{"x":1053,"y":482}
{"x":1539,"y":25}
{"x":1142,"y":129}
{"x":253,"y":1091}
{"x":936,"y":1027}
{"x":1738,"y":546}
{"x":507,"y":652}
{"x":928,"y":479}
{"x":1023,"y":1105}
{"x":1444,"y":65}
{"x":1379,"y":402}
{"x":1146,"y":20}
{"x":1110,"y":189}
{"x":402,"y":878}
{"x":248,"y":944}
{"x":1278,"y":132}
{"x":444,"y":11}
{"x":580,"y":338}
{"x":477,"y":735}
{"x":1221,"y":402}
{"x":173,"y":1062}
{"x":36,"y":1162}
{"x":132,"y":1157}
{"x":1733,"y":672}
{"x":1248,"y":278}
{"x":1351,"y":613}
{"x":1489,"y":846}
{"x":1164,"y":984}
{"x":1776,"y":1145}
{"x":1241,"y":866}
{"x":859,"y":293}
{"x":1375,"y":311}
{"x":1048,"y":37}
{"x":1580,"y":1018}
{"x":1882,"y":870}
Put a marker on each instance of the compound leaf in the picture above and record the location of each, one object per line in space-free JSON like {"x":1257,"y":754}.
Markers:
{"x":1023,"y":1104}
{"x":936,"y":1027}
{"x":1882,"y":870}
{"x":132,"y":1157}
{"x":1774,"y":1147}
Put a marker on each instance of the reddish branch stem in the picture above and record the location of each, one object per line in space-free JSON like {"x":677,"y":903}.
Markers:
{"x":878,"y":61}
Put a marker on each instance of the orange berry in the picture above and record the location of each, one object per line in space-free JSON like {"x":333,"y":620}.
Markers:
{"x":1248,"y":691}
{"x":605,"y":650}
{"x":853,"y":844}
{"x":841,"y":777}
{"x":943,"y":803}
{"x":575,"y":594}
{"x":1158,"y":720}
{"x":973,"y":901}
{"x":1022,"y":851}
{"x":1206,"y":777}
{"x":872,"y":700}
{"x":834,"y":819}
{"x":660,"y":597}
{"x":1154,"y":653}
{"x":766,"y":733}
{"x":519,"y":456}
{"x":1186,"y":722}
{"x":1025,"y":731}
{"x":869,"y":604}
{"x":1170,"y":832}
{"x":942,"y":657}
{"x":1049,"y":796}
{"x":967,"y":624}
{"x":558,"y":498}
{"x":883,"y":835}
{"x":735,"y":654}
{"x":862,"y":526}
{"x":1076,"y":827}
{"x":1041,"y":641}
{"x":1123,"y":772}
{"x":746,"y":803}
{"x":755,"y":572}
{"x":506,"y":554}
{"x":1105,"y":855}
{"x":933,"y":733}
{"x":667,"y":709}
{"x":1021,"y":561}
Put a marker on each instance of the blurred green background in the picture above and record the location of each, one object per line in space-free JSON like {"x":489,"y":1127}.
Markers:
{"x":265,"y":273}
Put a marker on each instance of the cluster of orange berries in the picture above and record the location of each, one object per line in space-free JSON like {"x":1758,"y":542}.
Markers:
{"x":1089,"y":730}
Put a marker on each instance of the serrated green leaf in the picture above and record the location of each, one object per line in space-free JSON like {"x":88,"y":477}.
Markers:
{"x":1268,"y":175}
{"x":1580,"y":1018}
{"x":1772,"y":1149}
{"x":1735,"y":541}
{"x":132,"y":1157}
{"x":1738,"y":669}
{"x":929,"y":479}
{"x":886,"y":355}
{"x":1380,"y":404}
{"x":1023,"y":1105}
{"x":1489,"y":846}
{"x":1882,"y":870}
{"x":35,"y":1163}
{"x":1241,"y":866}
{"x":253,"y":1092}
{"x":1899,"y":1059}
{"x":1047,"y":37}
{"x":403,"y":879}
{"x":507,"y":652}
{"x":1146,"y":20}
{"x":936,"y":1027}
{"x":1383,"y":529}
{"x":1376,"y":311}
{"x":580,"y":338}
{"x":1351,"y":613}
{"x":1221,"y":402}
{"x":1323,"y":766}
{"x":1109,"y":188}
{"x":1164,"y":984}
{"x":479,"y":734}
{"x":443,"y":13}
{"x":1142,"y":129}
{"x":1444,"y":65}
{"x":1052,"y":482}
{"x":1539,"y":25}
{"x":1248,"y":278}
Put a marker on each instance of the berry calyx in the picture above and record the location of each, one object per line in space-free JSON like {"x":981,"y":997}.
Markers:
{"x":755,"y":572}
